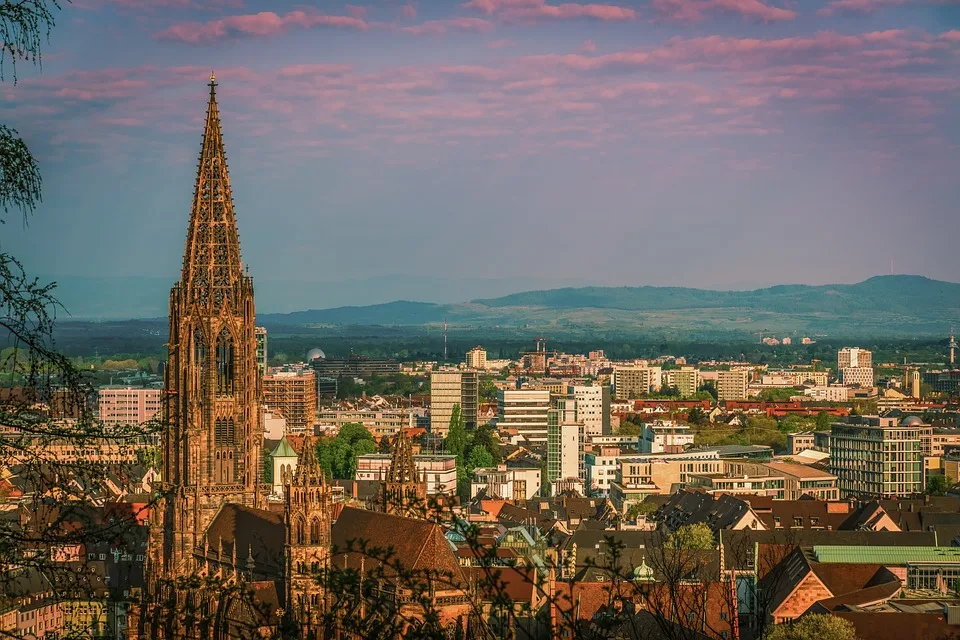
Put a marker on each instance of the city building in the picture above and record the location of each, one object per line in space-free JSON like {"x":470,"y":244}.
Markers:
{"x":293,"y":394}
{"x":828,"y":393}
{"x":635,"y":381}
{"x":877,"y":456}
{"x":592,"y":408}
{"x":565,"y":436}
{"x":685,"y":379}
{"x":477,"y":358}
{"x":912,"y":382}
{"x":943,"y":381}
{"x":378,"y":421}
{"x":523,"y":412}
{"x":665,"y":437}
{"x":732,"y":384}
{"x":857,"y":376}
{"x":449,"y":389}
{"x":127,"y":406}
{"x":854,"y":357}
{"x":507,"y":483}
{"x":261,"y":334}
{"x":437,"y":470}
{"x":356,"y":366}
{"x":600,"y":468}
{"x":799,"y":441}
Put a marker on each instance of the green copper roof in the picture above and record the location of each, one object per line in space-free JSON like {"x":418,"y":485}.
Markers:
{"x":283,"y":450}
{"x":886,"y":555}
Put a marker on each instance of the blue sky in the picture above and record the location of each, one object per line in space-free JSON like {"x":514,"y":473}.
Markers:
{"x":711,"y":143}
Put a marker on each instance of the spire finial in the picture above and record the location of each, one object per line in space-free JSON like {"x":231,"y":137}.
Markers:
{"x":213,"y":78}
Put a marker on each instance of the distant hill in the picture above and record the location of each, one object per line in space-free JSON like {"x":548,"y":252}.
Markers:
{"x":895,"y":305}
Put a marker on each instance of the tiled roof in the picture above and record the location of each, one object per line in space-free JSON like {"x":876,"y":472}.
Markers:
{"x":250,"y":530}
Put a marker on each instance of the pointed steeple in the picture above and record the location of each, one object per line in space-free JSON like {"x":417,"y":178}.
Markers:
{"x":309,"y":472}
{"x":402,"y":467}
{"x":212,"y":274}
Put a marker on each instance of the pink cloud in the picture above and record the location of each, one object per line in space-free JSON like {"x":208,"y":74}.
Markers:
{"x":408,"y":11}
{"x":261,"y":24}
{"x":696,"y":10}
{"x":870,"y":6}
{"x":588,"y":46}
{"x":360,"y":13}
{"x":440,"y":27}
{"x":534,"y":9}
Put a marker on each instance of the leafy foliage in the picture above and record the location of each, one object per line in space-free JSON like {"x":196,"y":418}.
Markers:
{"x":815,"y":627}
{"x":338,"y":456}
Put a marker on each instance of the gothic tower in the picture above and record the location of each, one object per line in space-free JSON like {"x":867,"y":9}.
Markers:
{"x":212,"y":432}
{"x":404,"y":491}
{"x":308,"y":511}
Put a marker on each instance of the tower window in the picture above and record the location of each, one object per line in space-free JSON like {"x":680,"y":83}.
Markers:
{"x":225,"y":363}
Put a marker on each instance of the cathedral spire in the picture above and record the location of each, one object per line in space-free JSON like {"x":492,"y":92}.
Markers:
{"x":309,"y":472}
{"x":402,"y":467}
{"x":212,"y":274}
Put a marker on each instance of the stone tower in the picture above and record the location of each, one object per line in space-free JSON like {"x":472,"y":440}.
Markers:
{"x":404,"y":491}
{"x":308,"y":511}
{"x":212,"y":431}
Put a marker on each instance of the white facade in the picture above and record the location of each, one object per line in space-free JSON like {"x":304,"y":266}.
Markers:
{"x":664,"y":437}
{"x":274,"y":424}
{"x":831,"y":393}
{"x":589,"y":411}
{"x":862,"y":376}
{"x":440,"y":471}
{"x":524,"y":410}
{"x":634,"y":381}
{"x":854,"y":357}
{"x":565,"y":451}
{"x":477,"y":358}
{"x":601,"y":470}
{"x":732,"y":385}
{"x":126,"y":406}
{"x":506,"y":483}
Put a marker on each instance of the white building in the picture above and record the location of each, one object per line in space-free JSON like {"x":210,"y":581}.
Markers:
{"x":565,"y":437}
{"x":857,"y":376}
{"x":477,"y":358}
{"x":732,"y":385}
{"x":592,"y":408}
{"x":274,"y":424}
{"x":830,"y":393}
{"x":854,"y":357}
{"x":601,"y":468}
{"x":524,"y":411}
{"x":440,"y":471}
{"x":664,"y":437}
{"x":635,"y":380}
{"x":508,"y":483}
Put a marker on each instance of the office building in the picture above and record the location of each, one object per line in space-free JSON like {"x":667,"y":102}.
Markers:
{"x":261,"y":335}
{"x":506,"y":483}
{"x":378,"y":421}
{"x":943,"y":381}
{"x":857,"y":376}
{"x":635,"y":381}
{"x":356,"y":366}
{"x":564,"y":443}
{"x":477,"y":358}
{"x":592,"y":408}
{"x":878,"y":457}
{"x":125,"y":406}
{"x":448,"y":389}
{"x":293,"y":394}
{"x":523,"y":412}
{"x":854,"y":357}
{"x":665,"y":437}
{"x":732,"y":385}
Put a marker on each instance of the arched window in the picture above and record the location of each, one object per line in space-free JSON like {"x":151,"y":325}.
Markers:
{"x":315,"y":531}
{"x":199,"y":349}
{"x":299,"y":532}
{"x":225,"y":357}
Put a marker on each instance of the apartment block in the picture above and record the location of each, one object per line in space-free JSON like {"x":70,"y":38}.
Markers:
{"x":857,"y":376}
{"x":565,"y":436}
{"x":439,"y":471}
{"x":876,"y":456}
{"x":686,"y":379}
{"x":507,"y":483}
{"x":293,"y":394}
{"x":477,"y":358}
{"x":634,"y":381}
{"x":128,"y":405}
{"x":732,"y":385}
{"x":592,"y":408}
{"x":854,"y":357}
{"x":664,"y":436}
{"x":451,"y":388}
{"x":261,"y":335}
{"x":379,"y":422}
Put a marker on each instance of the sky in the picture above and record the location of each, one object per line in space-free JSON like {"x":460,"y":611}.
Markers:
{"x":706,"y":143}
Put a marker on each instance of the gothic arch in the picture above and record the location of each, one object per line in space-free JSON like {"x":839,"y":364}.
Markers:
{"x":299,"y":530}
{"x":226,"y":363}
{"x":315,"y":530}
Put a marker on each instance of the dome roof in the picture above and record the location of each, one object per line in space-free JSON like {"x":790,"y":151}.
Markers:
{"x":911,"y":421}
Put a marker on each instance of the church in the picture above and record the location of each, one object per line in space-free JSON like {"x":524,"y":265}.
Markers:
{"x":223,"y":562}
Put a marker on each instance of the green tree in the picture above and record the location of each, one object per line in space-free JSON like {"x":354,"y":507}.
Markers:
{"x":697,"y":416}
{"x":815,"y":626}
{"x":696,"y":537}
{"x":486,"y":436}
{"x":710,"y":388}
{"x":938,"y":485}
{"x":338,"y":456}
{"x":456,"y":440}
{"x":479,"y":458}
{"x":824,"y":420}
{"x":638,"y":509}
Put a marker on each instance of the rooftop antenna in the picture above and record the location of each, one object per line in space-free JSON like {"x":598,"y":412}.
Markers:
{"x":444,"y":339}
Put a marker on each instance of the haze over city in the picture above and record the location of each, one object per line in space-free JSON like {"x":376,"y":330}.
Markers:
{"x":706,"y":143}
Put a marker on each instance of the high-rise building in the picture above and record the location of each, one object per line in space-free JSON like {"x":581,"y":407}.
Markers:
{"x":859,"y":376}
{"x":565,"y":436}
{"x":126,"y":406}
{"x":293,"y":394}
{"x":355,"y":365}
{"x":592,"y":408}
{"x":477,"y":358}
{"x":732,"y":385}
{"x":450,"y":388}
{"x":878,"y":457}
{"x":854,"y":357}
{"x":686,"y":379}
{"x":212,"y":433}
{"x":634,"y":381}
{"x":524,"y":411}
{"x":261,"y":334}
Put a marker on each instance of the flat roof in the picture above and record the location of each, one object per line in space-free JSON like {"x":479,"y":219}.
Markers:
{"x":885,"y":555}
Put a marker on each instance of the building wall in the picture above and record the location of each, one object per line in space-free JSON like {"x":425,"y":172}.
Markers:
{"x":875,"y":460}
{"x":294,"y":395}
{"x":128,"y":405}
{"x":450,"y":388}
{"x":440,"y":471}
{"x":634,"y":381}
{"x":523,"y":410}
{"x":862,"y":376}
{"x":591,"y":409}
{"x":732,"y":385}
{"x":477,"y":358}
